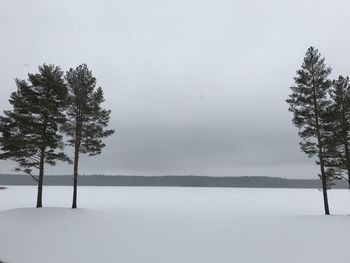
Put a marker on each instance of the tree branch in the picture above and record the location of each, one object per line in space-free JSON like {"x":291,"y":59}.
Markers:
{"x":36,"y":179}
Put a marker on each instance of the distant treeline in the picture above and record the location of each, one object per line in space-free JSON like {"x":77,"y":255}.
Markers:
{"x":170,"y":180}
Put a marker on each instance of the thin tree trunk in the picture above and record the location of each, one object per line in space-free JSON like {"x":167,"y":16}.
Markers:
{"x":39,"y":202}
{"x":324,"y":189}
{"x":320,"y":152}
{"x":77,"y":141}
{"x":323,"y":174}
{"x":76,"y":161}
{"x":75,"y":175}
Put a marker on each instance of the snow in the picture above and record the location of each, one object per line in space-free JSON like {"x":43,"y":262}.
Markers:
{"x":174,"y":225}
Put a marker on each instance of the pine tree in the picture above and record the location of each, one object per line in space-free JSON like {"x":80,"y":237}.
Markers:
{"x":86,"y":119}
{"x":308,"y":102}
{"x":30,"y":131}
{"x":338,"y":124}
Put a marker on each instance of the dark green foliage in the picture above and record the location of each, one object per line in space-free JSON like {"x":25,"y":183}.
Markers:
{"x":338,"y":125}
{"x":86,"y":119}
{"x":309,"y":102}
{"x":30,"y":131}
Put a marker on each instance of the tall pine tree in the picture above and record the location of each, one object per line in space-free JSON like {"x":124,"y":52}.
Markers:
{"x":30,"y":131}
{"x":87,"y":120}
{"x":338,"y":117}
{"x":308,"y":102}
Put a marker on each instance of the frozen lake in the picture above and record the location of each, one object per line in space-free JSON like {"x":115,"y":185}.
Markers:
{"x":173,"y":225}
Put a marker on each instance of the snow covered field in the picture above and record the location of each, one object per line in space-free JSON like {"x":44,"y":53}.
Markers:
{"x":174,"y":225}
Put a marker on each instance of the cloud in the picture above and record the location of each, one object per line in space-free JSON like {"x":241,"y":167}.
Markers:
{"x":194,"y":86}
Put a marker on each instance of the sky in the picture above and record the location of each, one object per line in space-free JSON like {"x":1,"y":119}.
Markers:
{"x":195,"y":86}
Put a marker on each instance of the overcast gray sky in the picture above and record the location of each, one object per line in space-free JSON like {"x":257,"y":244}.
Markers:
{"x":195,"y":86}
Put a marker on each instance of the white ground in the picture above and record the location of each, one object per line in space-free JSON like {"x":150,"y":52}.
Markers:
{"x":174,"y":225}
